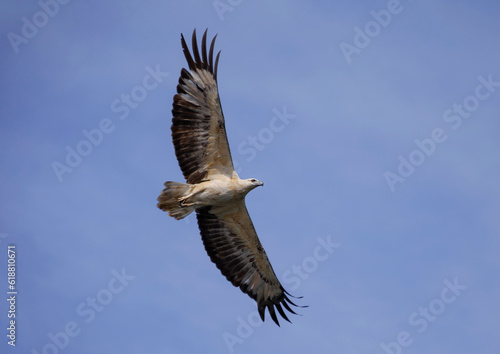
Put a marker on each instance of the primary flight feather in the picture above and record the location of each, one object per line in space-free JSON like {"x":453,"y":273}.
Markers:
{"x":213,"y":188}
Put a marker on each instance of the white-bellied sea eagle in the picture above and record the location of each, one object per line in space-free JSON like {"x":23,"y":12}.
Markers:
{"x":213,"y":188}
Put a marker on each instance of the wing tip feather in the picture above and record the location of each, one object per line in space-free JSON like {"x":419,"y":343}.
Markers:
{"x":204,"y":61}
{"x":277,"y":302}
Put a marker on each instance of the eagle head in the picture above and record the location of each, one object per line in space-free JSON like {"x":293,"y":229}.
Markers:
{"x":252,"y":183}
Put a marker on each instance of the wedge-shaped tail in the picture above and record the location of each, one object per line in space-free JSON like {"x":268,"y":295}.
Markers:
{"x":170,"y":199}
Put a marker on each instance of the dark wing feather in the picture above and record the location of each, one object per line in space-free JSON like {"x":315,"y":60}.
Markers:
{"x":232,"y":244}
{"x":198,"y":127}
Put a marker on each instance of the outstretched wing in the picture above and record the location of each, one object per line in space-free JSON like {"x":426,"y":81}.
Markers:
{"x":232,"y":244}
{"x":198,"y":128}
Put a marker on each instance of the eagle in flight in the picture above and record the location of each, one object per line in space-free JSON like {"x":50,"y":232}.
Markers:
{"x":213,"y":188}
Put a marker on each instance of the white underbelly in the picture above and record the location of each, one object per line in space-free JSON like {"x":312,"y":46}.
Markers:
{"x":216,"y":193}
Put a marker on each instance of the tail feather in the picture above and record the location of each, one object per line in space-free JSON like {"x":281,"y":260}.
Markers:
{"x":169,"y":199}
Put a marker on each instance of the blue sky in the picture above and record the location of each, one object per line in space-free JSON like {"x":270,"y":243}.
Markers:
{"x":374,"y":126}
